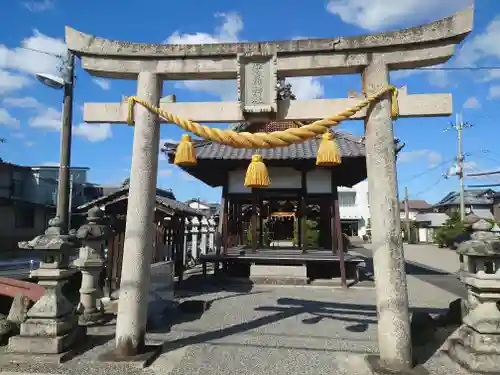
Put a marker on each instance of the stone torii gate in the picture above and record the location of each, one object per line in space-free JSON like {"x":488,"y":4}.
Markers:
{"x":257,"y":66}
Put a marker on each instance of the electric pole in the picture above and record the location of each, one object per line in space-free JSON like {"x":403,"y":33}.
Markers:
{"x":407,"y":215}
{"x":459,"y":126}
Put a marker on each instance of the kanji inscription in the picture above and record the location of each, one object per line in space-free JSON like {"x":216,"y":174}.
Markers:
{"x":257,"y":83}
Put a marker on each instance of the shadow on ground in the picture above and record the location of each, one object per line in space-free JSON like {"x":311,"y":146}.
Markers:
{"x":197,"y":284}
{"x":358,"y":317}
{"x":439,"y":278}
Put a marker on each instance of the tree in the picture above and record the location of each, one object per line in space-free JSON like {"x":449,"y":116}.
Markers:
{"x":448,"y":233}
{"x":125,"y":182}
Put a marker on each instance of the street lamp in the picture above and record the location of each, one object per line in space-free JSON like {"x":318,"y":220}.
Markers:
{"x":66,"y":82}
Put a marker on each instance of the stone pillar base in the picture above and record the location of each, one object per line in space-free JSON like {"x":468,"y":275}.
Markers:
{"x":475,"y":351}
{"x":44,"y":349}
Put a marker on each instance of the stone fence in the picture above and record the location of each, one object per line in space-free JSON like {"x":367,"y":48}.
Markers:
{"x":199,"y":236}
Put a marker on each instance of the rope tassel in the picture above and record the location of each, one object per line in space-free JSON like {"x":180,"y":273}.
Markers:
{"x":328,"y":152}
{"x":257,"y":175}
{"x":185,"y":154}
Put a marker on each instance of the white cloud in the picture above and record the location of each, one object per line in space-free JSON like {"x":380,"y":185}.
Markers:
{"x":11,"y":82}
{"x":102,"y":83}
{"x":432,"y":157}
{"x":227,"y":32}
{"x":8,"y":120}
{"x":494,"y":92}
{"x":472,"y":103}
{"x":26,"y":102}
{"x":165,"y":172}
{"x":481,"y":46}
{"x":19,"y":65}
{"x":39,"y":5}
{"x":379,"y":14}
{"x":50,"y":119}
{"x":437,"y":78}
{"x":93,"y":132}
{"x":29,"y":143}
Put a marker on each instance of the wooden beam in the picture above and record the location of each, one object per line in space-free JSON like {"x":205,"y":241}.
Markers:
{"x":416,"y":105}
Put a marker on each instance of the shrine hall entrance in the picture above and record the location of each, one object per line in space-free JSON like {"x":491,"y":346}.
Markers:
{"x":281,"y":228}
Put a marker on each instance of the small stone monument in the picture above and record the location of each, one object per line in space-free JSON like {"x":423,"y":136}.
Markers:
{"x":90,"y":262}
{"x":477,"y":347}
{"x":51,"y":327}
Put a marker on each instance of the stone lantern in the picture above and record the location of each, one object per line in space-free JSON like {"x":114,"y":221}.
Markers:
{"x":51,"y":327}
{"x":91,"y":262}
{"x":477,"y":347}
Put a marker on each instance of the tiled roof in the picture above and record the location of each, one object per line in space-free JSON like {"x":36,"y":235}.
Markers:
{"x":350,"y":146}
{"x":472,"y":196}
{"x":163,"y":197}
{"x":177,"y":206}
{"x":416,"y":205}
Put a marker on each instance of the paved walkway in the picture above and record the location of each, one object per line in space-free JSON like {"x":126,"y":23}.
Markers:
{"x":430,"y":264}
{"x":283,"y":330}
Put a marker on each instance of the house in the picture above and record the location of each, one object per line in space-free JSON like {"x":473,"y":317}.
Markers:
{"x":354,"y":209}
{"x":496,"y":206}
{"x":477,"y":201}
{"x":209,"y":209}
{"x":427,"y":224}
{"x":28,"y":196}
{"x":414,"y":207}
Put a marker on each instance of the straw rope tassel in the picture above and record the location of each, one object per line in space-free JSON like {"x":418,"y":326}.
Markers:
{"x":257,"y":175}
{"x":328,"y":152}
{"x":185,"y":154}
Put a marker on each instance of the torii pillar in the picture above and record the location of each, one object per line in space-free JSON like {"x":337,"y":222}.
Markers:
{"x":260,"y":65}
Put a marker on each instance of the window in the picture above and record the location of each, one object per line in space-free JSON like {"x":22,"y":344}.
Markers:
{"x":347,"y":199}
{"x":17,"y":185}
{"x":24,"y":216}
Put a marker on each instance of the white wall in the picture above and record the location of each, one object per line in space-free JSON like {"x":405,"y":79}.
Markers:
{"x":412,"y":215}
{"x":360,"y":211}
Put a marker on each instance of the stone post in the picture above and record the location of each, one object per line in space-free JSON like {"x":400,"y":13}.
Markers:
{"x":91,"y":263}
{"x":186,"y":236}
{"x":204,"y":235}
{"x":51,"y":327}
{"x":135,"y":276}
{"x":195,"y":223}
{"x":477,"y":347}
{"x":212,"y":226}
{"x":394,"y":339}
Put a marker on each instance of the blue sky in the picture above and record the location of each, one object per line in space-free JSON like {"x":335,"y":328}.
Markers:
{"x":30,"y":112}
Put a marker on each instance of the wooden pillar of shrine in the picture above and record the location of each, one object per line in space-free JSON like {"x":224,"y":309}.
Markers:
{"x":179,"y":249}
{"x":222,"y":232}
{"x":255,"y":199}
{"x":261,"y":224}
{"x":337,"y":237}
{"x":303,"y":212}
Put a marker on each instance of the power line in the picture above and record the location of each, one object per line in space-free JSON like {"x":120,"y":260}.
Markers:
{"x":427,"y":171}
{"x":441,"y":179}
{"x":470,"y":68}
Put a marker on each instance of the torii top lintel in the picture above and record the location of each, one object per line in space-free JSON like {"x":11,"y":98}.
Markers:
{"x":416,"y":47}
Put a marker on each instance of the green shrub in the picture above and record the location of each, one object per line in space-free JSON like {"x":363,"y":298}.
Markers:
{"x":311,"y":233}
{"x":452,"y":228}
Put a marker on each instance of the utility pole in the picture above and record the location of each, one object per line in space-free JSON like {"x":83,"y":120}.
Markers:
{"x":62,"y":209}
{"x":70,"y":205}
{"x":407,"y":215}
{"x":459,"y":126}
